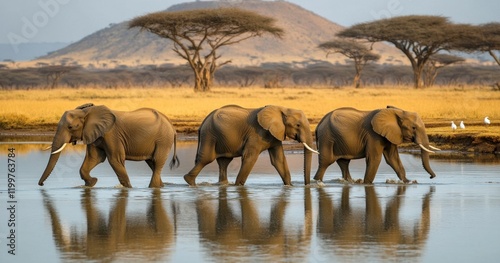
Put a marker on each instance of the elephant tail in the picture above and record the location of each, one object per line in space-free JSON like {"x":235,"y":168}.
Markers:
{"x":175,"y":160}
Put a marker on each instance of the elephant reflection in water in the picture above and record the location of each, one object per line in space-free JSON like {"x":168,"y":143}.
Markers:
{"x":147,"y":236}
{"x":348,"y":229}
{"x":227,"y":234}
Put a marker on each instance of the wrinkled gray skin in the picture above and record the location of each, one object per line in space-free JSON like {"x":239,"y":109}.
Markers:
{"x":233,"y":131}
{"x":347,"y":133}
{"x":140,"y":135}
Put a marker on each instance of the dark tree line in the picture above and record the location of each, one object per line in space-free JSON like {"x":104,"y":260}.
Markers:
{"x":271,"y":75}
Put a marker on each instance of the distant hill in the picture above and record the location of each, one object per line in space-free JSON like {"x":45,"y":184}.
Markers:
{"x":304,"y":30}
{"x":28,"y":51}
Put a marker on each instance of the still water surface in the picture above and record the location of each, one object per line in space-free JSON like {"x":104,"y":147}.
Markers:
{"x":452,"y":218}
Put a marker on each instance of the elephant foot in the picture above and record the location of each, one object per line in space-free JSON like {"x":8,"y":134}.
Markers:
{"x":361,"y":181}
{"x":349,"y":180}
{"x":320,"y":183}
{"x":155,"y":182}
{"x":91,"y":182}
{"x":239,"y":183}
{"x":223,"y":183}
{"x":151,"y":185}
{"x":190,"y":180}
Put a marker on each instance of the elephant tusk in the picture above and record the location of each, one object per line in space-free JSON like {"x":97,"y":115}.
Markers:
{"x":48,"y":148}
{"x":434,"y":148}
{"x":60,"y":149}
{"x":425,"y":149}
{"x":309,"y":148}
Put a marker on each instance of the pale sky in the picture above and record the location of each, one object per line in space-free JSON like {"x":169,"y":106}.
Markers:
{"x":71,"y":20}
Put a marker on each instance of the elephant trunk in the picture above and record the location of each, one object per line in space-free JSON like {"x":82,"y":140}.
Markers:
{"x":425,"y":156}
{"x":58,"y":144}
{"x":308,"y":142}
{"x":425,"y":163}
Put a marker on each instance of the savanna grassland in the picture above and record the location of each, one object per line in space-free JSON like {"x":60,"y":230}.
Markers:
{"x":37,"y":110}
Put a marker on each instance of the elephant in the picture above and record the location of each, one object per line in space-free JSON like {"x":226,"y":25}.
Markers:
{"x":234,"y":223}
{"x":234,"y":131}
{"x":347,"y":133}
{"x":352,"y":222}
{"x":141,"y":135}
{"x":123,"y":228}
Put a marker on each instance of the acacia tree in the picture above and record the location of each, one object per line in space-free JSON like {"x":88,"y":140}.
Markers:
{"x":435,"y":63}
{"x":54,"y":74}
{"x":482,"y":38}
{"x":418,"y":37}
{"x":198,"y":35}
{"x":353,"y":50}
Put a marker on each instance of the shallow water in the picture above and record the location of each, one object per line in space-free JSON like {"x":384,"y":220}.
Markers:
{"x":452,"y":218}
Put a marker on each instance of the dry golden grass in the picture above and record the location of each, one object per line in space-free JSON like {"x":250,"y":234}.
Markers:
{"x":436,"y":106}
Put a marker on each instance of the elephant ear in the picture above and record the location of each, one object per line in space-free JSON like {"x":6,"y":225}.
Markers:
{"x":271,"y":119}
{"x":386,"y":123}
{"x":98,"y":120}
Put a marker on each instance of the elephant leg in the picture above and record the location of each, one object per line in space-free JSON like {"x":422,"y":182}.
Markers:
{"x":372,"y":164}
{"x":344,"y":167}
{"x":155,"y":178}
{"x":278,"y":160}
{"x":325,"y":159}
{"x":118,"y":165}
{"x":223,"y":164}
{"x":205,"y":155}
{"x":93,"y":157}
{"x":391,"y":156}
{"x":248,"y":160}
{"x":156,"y":164}
{"x":190,"y":177}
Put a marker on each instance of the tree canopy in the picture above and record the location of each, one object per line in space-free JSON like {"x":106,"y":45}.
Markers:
{"x":418,"y":37}
{"x":482,"y":38}
{"x":198,"y":34}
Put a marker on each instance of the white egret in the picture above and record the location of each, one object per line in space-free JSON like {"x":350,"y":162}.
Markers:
{"x":487,"y":121}
{"x":462,"y":125}
{"x":453,"y":126}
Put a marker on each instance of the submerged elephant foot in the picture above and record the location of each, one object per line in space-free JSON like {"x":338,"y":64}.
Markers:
{"x":91,"y":182}
{"x":361,"y":181}
{"x":223,"y":183}
{"x":152,"y":185}
{"x":156,"y":182}
{"x":190,"y":180}
{"x":349,"y":180}
{"x":319,"y":183}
